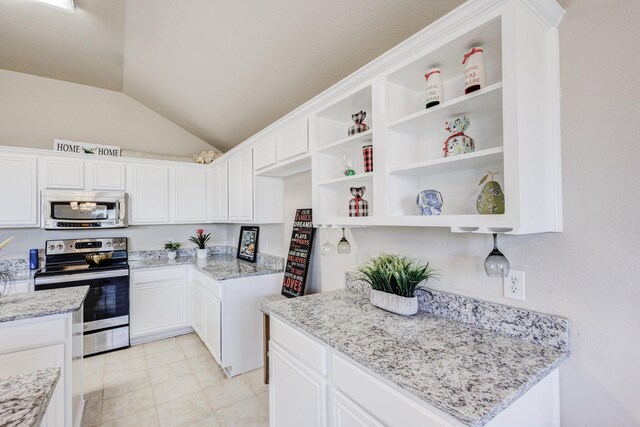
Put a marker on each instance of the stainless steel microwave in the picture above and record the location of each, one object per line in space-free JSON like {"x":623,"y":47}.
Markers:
{"x":68,"y":209}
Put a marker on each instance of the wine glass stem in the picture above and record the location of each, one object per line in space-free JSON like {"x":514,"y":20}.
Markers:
{"x":495,"y":241}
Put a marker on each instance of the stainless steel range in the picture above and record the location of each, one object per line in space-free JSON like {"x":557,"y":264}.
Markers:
{"x":106,"y":308}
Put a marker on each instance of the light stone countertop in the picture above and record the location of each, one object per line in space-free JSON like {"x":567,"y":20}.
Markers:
{"x":468,"y":372}
{"x":24,"y":398}
{"x":28,"y":305}
{"x":217,"y":266}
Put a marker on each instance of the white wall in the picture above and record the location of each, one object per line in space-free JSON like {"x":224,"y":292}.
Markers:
{"x":590,"y":272}
{"x":141,"y":237}
{"x":35,"y":110}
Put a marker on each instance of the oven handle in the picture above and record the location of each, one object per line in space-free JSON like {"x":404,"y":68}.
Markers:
{"x":79,"y":277}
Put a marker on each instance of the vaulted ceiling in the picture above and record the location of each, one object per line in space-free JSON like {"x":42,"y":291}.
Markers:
{"x":221,"y":69}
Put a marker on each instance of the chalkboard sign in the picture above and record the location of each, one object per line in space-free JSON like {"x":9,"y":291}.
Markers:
{"x":295,"y":272}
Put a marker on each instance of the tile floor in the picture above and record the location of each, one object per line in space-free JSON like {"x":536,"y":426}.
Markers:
{"x":172,"y":382}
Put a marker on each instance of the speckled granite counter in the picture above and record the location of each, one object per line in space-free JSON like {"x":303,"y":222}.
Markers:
{"x":24,"y":398}
{"x":469,"y":372}
{"x":42,"y":303}
{"x":217,"y":266}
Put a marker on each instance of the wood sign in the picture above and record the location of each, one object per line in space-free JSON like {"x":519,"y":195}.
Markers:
{"x":64,"y":146}
{"x":295,"y":271}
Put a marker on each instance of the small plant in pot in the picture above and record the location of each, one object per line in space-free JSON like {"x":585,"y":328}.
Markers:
{"x":172,"y":247}
{"x":394,"y":280}
{"x":201,"y":240}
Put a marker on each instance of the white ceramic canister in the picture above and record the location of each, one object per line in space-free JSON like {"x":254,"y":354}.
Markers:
{"x":434,"y":92}
{"x":475,"y":72}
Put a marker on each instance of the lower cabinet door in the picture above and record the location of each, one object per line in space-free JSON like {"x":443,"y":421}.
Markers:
{"x":22,"y":362}
{"x":197,"y":309}
{"x":158,"y":307}
{"x":212,"y":325}
{"x":347,"y":414}
{"x":298,"y":395}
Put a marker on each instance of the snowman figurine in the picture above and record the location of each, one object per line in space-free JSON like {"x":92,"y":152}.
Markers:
{"x":458,"y":142}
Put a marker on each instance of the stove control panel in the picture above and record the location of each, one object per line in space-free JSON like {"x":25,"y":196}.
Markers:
{"x":75,"y":246}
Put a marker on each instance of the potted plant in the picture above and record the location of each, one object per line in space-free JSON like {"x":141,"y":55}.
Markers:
{"x":172,"y":247}
{"x":201,"y":240}
{"x":393,"y":281}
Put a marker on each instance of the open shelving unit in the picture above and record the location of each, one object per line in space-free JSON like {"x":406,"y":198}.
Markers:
{"x":513,"y":123}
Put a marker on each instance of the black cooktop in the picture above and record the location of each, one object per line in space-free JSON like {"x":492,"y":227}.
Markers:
{"x":75,"y":268}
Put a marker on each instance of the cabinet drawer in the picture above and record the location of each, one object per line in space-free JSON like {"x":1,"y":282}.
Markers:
{"x":299,"y":345}
{"x":159,"y":275}
{"x":28,"y":333}
{"x":293,"y":140}
{"x":212,"y":286}
{"x":386,"y":404}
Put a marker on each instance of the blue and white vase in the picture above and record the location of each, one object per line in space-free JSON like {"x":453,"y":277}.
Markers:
{"x":429,"y":202}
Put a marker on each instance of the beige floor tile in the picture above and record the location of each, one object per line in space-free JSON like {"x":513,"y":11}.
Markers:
{"x":194,"y":350}
{"x":92,"y":375}
{"x":207,"y":371}
{"x":127,"y":404}
{"x":92,"y":394}
{"x":264,"y":398}
{"x":255,"y":379}
{"x":185,"y":410}
{"x":188,"y":339}
{"x":126,"y":354}
{"x":146,"y":418}
{"x":247,"y":413}
{"x":228,"y":392}
{"x":165,"y":357}
{"x":161,"y":346}
{"x":175,"y":389}
{"x":94,"y":362}
{"x":125,"y":367}
{"x":174,"y":370}
{"x":92,"y":414}
{"x":211,"y":421}
{"x":115,"y":386}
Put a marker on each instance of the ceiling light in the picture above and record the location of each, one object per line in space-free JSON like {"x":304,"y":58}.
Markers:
{"x":66,"y":5}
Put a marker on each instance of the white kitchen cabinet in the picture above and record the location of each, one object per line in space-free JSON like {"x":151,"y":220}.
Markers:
{"x":19,"y":189}
{"x":197,"y":308}
{"x":188,"y":199}
{"x":241,"y":186}
{"x":212,"y":325}
{"x":148,"y":189}
{"x":105,"y":176}
{"x":61,"y":173}
{"x":264,"y":153}
{"x":297,"y":394}
{"x":346,"y":413}
{"x":218,"y":191}
{"x":159,"y":302}
{"x":292,"y":140}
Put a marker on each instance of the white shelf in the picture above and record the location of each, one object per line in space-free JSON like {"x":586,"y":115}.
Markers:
{"x":476,"y":160}
{"x":359,"y":138}
{"x":483,"y":100}
{"x":367,"y":175}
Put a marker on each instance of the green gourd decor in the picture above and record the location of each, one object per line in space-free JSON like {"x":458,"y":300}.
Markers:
{"x":491,"y":198}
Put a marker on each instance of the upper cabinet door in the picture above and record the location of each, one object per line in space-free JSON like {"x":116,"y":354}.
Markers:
{"x":188,"y":201}
{"x":105,"y":176}
{"x":219,"y":191}
{"x":148,"y":188}
{"x":241,"y":186}
{"x":264,"y":153}
{"x":292,"y":140}
{"x":63,"y":173}
{"x":19,"y":189}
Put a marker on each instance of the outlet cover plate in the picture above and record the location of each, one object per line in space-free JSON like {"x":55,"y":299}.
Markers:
{"x":514,"y":285}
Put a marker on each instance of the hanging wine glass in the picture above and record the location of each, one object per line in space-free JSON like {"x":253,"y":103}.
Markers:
{"x":343,"y":245}
{"x":327,"y":249}
{"x":496,"y":264}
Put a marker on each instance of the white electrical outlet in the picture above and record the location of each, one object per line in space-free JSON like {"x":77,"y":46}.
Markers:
{"x":514,"y":285}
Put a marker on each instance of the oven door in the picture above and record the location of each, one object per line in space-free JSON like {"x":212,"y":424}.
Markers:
{"x":73,"y":210}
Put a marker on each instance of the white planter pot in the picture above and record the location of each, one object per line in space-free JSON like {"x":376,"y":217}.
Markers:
{"x":201,"y":253}
{"x":394,"y":303}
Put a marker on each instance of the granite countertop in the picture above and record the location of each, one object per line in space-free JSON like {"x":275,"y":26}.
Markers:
{"x":470,"y":373}
{"x":42,"y":303}
{"x":24,"y":398}
{"x":218,"y":266}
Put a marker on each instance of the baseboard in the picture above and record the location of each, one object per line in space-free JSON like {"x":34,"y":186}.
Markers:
{"x":161,"y":335}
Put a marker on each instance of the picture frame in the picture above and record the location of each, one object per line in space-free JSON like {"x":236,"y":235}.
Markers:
{"x":248,"y":243}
